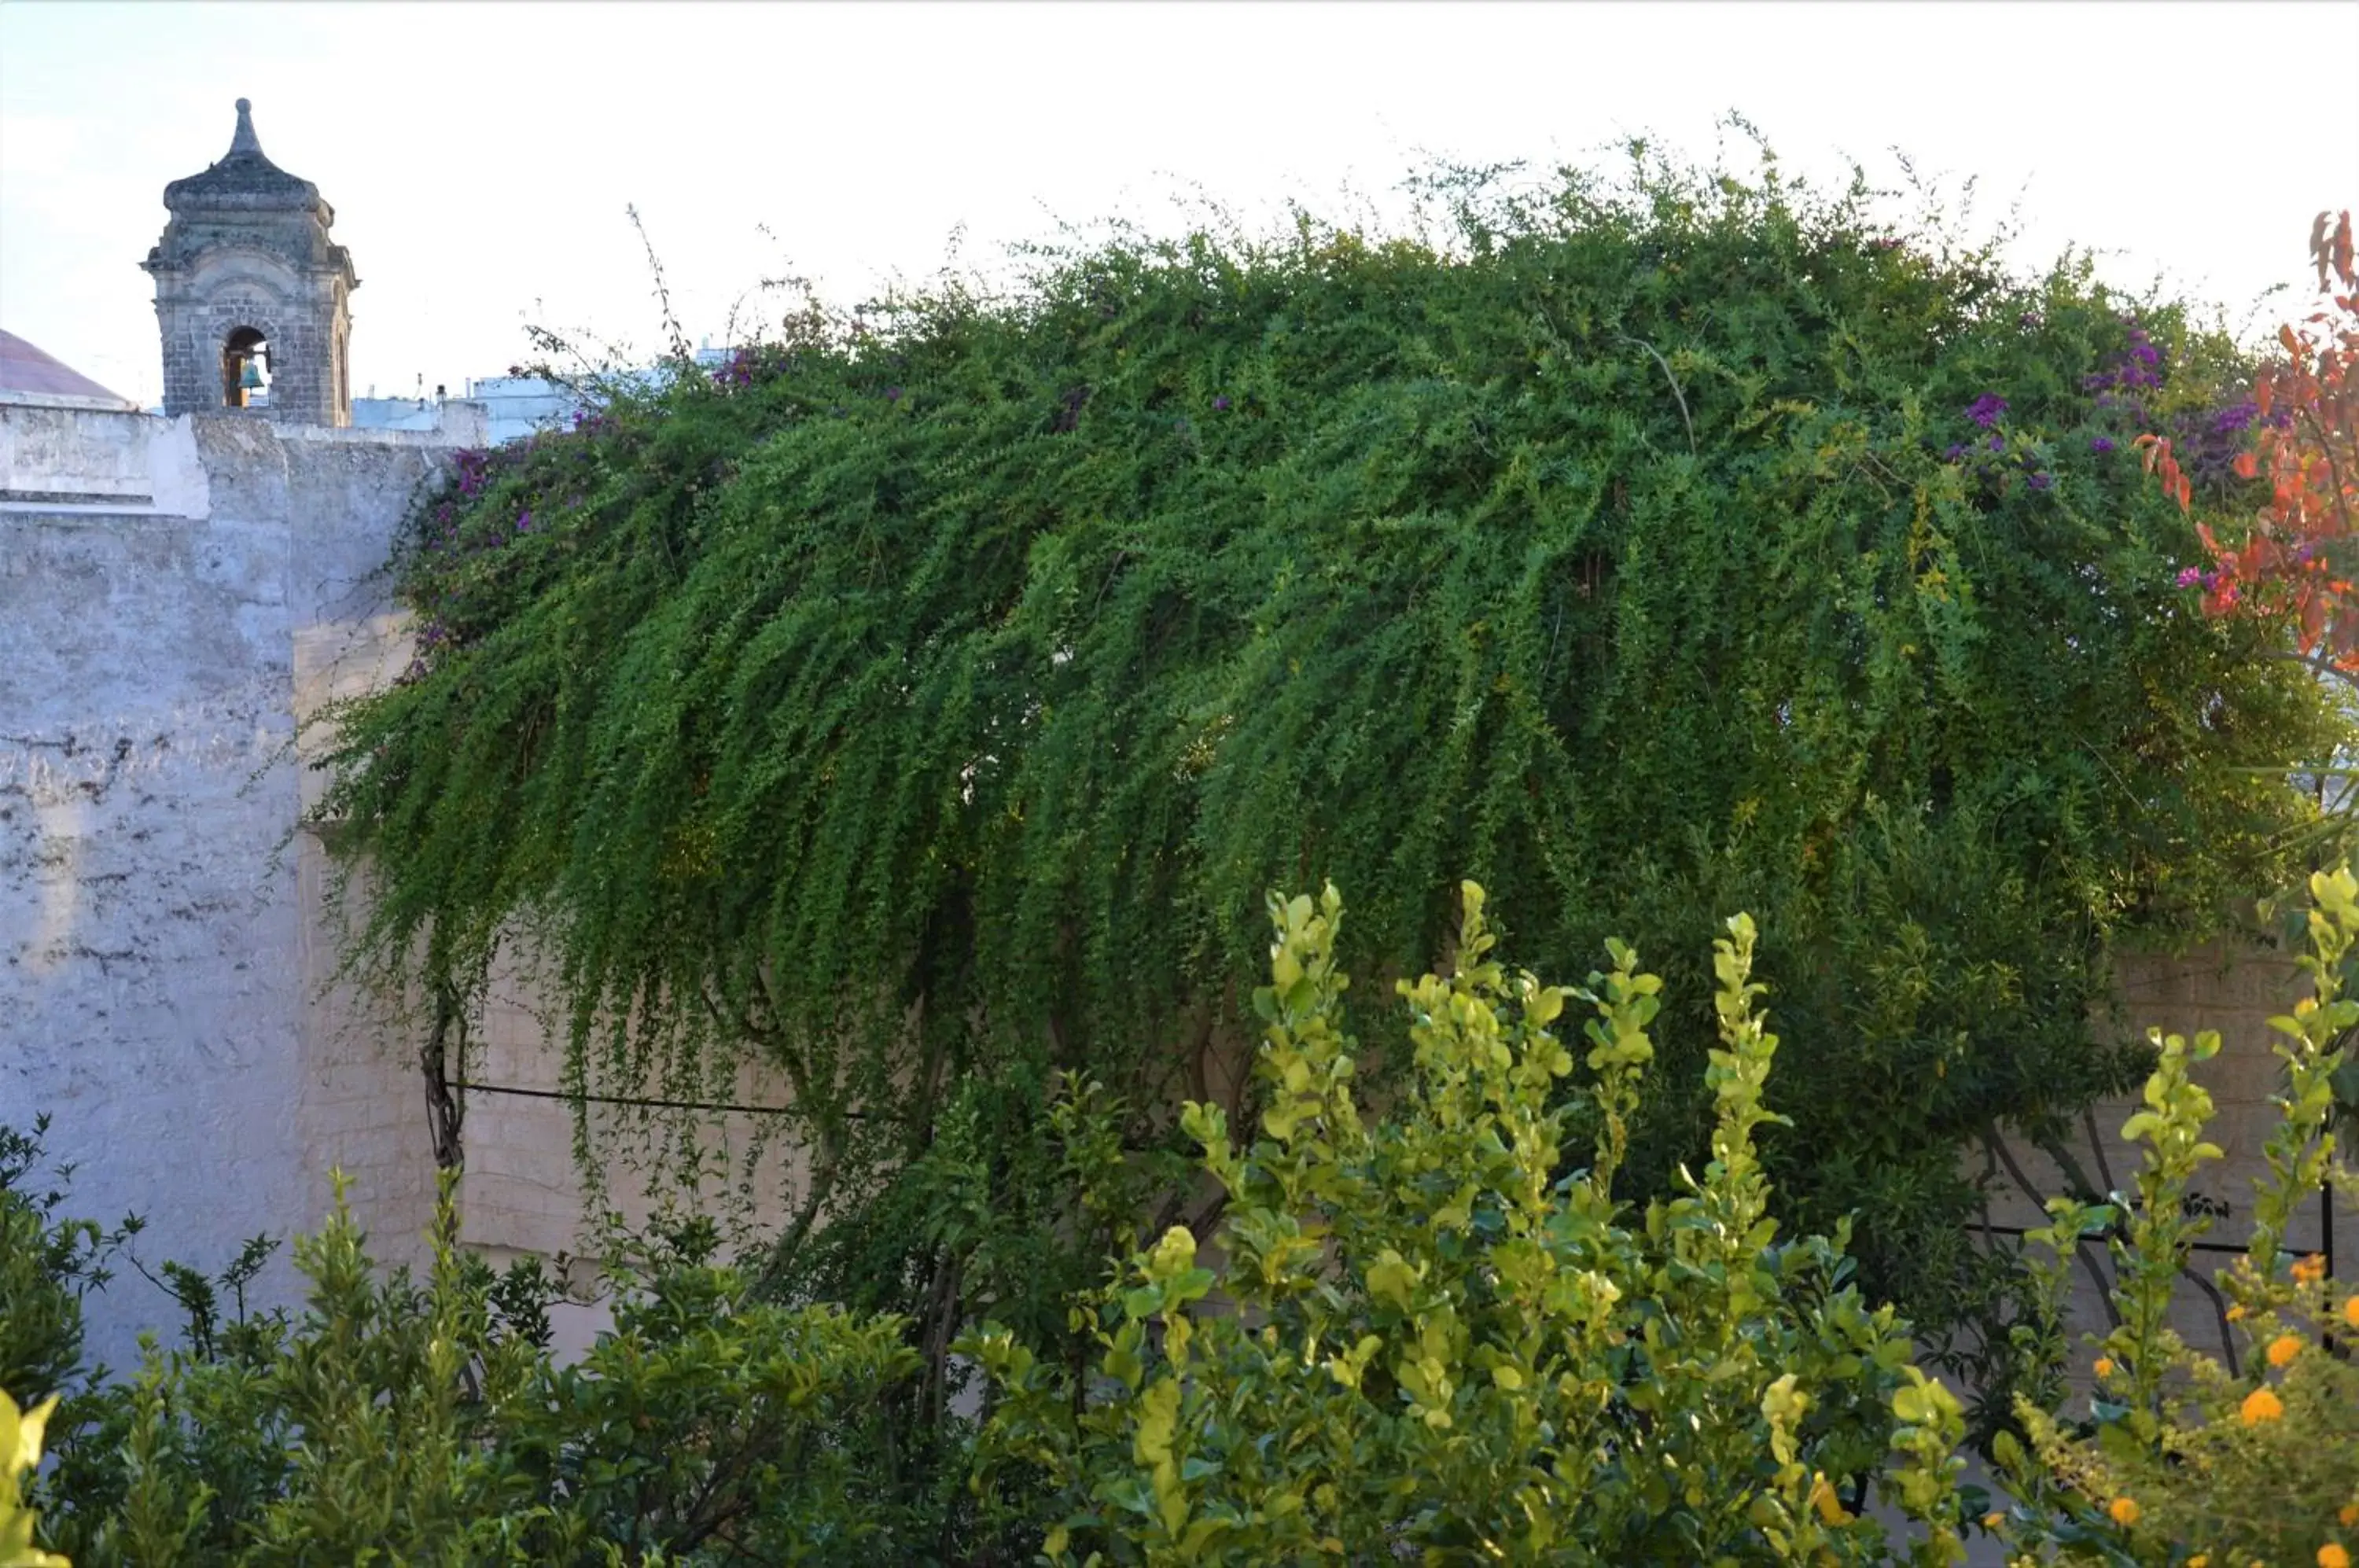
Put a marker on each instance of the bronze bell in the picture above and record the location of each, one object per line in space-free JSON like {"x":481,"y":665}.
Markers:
{"x":249,"y":377}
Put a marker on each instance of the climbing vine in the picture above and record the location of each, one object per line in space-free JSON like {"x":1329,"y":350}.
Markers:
{"x":927,"y":699}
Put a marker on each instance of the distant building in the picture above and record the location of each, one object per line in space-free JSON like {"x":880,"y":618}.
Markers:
{"x":517,"y":405}
{"x":29,"y":375}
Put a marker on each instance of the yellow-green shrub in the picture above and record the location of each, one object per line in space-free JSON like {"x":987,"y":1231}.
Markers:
{"x":21,"y":1454}
{"x":1419,"y":1335}
{"x":2184,"y":1459}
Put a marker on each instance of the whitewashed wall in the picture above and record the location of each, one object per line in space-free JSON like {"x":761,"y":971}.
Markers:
{"x":158,"y":579}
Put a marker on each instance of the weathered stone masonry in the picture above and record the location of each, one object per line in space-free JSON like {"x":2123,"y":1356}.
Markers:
{"x":246,"y":260}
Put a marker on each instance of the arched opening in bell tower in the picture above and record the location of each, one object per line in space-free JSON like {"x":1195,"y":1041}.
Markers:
{"x":246,"y":369}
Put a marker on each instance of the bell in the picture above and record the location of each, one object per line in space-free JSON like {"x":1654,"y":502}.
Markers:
{"x":249,"y":377}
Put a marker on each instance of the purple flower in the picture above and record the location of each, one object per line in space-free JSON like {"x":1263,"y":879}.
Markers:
{"x":2235,"y":419}
{"x":524,"y":523}
{"x":2041,"y":480}
{"x":1956,"y":453}
{"x":1221,"y":403}
{"x":1998,"y":443}
{"x":2190,"y":577}
{"x":2102,"y":444}
{"x":892,"y":394}
{"x":1987,"y":408}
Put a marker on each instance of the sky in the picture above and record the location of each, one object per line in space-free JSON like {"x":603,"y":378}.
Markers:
{"x":482,"y":158}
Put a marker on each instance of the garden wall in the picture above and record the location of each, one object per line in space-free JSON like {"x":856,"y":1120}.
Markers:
{"x":177,"y":599}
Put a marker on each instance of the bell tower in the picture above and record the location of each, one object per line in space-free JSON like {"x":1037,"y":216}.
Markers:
{"x":252,"y":295}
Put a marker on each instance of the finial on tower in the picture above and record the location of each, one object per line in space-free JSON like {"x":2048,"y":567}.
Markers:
{"x":246,"y":140}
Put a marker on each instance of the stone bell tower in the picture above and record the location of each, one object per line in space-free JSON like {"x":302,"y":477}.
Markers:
{"x":252,"y":295}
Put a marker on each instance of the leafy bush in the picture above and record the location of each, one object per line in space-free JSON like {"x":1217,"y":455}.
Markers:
{"x":1414,"y":1334}
{"x":1421,"y":1338}
{"x":47,"y":1263}
{"x":401,"y":1422}
{"x":928,"y":697}
{"x":2185,"y":1459}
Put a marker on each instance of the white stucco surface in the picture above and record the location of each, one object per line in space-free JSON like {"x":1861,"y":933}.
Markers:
{"x":158,"y":955}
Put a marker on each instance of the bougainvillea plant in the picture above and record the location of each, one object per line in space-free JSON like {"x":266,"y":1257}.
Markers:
{"x":2297,"y":559}
{"x":921,"y":705}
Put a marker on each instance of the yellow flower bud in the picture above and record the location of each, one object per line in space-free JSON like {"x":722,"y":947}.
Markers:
{"x":2310,"y":1270}
{"x":2261,"y":1405}
{"x":2104,"y":1367}
{"x":2284,"y":1348}
{"x":2123,"y":1511}
{"x":2351,"y":1312}
{"x":2331,"y":1555}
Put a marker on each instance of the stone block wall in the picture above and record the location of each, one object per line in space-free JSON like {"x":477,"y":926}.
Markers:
{"x":2234,"y":990}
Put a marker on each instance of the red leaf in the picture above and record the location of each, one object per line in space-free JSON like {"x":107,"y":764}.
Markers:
{"x":2245,"y":466}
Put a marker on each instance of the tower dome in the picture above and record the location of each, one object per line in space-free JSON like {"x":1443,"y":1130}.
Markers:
{"x":252,"y":294}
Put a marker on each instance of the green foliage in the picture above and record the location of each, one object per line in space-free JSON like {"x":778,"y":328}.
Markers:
{"x":2183,"y":1456}
{"x":47,"y":1263}
{"x":929,"y":698}
{"x":395,"y":1422}
{"x":1419,"y":1339}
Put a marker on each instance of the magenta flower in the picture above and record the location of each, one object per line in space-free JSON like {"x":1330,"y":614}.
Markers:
{"x":2190,"y":577}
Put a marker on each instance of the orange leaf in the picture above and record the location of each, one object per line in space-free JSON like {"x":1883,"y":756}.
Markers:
{"x":2285,"y":336}
{"x":2245,"y":466}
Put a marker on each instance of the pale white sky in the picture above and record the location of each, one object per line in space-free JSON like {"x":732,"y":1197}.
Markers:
{"x":479,"y":157}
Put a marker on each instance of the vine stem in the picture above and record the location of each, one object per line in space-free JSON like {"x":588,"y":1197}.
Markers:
{"x":1674,"y":380}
